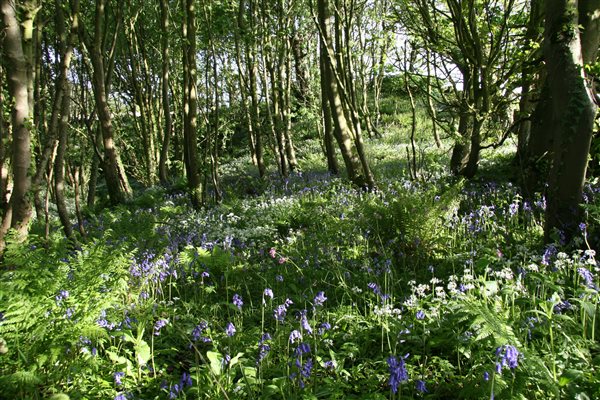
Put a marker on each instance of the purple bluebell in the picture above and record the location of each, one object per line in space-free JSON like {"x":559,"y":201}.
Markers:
{"x":186,"y":380}
{"x":118,"y":376}
{"x":420,"y":314}
{"x":303,"y":348}
{"x":319,"y":299}
{"x":295,"y":335}
{"x":230,"y":329}
{"x":325,"y":326}
{"x":420,"y":386}
{"x":237,"y":301}
{"x":304,"y":322}
{"x":158,"y":325}
{"x":587,"y":276}
{"x":398,"y":373}
{"x":268,"y":293}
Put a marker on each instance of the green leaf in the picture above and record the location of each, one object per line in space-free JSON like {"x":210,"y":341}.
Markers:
{"x":142,"y":352}
{"x":216,"y":362}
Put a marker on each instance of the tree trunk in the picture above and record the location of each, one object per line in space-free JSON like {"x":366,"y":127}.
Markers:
{"x":342,"y":130}
{"x":18,"y":213}
{"x":4,"y":140}
{"x":573,"y":110}
{"x":59,"y":168}
{"x":328,"y":139}
{"x":116,"y":179}
{"x":163,"y":174}
{"x":190,"y":105}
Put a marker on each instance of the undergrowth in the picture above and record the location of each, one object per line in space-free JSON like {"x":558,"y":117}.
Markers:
{"x":305,"y":288}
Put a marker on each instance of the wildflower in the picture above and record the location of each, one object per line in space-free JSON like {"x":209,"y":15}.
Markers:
{"x":159,"y":325}
{"x":548,"y":254}
{"x":175,"y":389}
{"x":295,"y":335}
{"x":263,"y":348}
{"x":186,"y":380}
{"x":508,"y":356}
{"x":562,"y":306}
{"x":280,"y":312}
{"x":117,"y":376}
{"x":587,"y":276}
{"x":304,"y":322}
{"x":63,"y":294}
{"x":319,"y":299}
{"x":420,"y":314}
{"x":486,"y":376}
{"x":398,"y":373}
{"x":325,"y":326}
{"x":282,"y":260}
{"x":272,"y":252}
{"x":120,"y":396}
{"x":268,"y":293}
{"x":513,"y":208}
{"x":237,"y":301}
{"x":306,"y":368}
{"x":303,"y":348}
{"x":197,"y":332}
{"x":279,"y":278}
{"x":420,"y":386}
{"x":230,"y":329}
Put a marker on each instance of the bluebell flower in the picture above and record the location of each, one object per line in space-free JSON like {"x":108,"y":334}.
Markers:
{"x":486,"y":376}
{"x":398,"y":373}
{"x":186,"y":380}
{"x":161,"y":323}
{"x":325,"y":326}
{"x":117,"y":376}
{"x":304,"y":322}
{"x":319,"y":299}
{"x":263,"y":347}
{"x":230,"y":329}
{"x":295,"y":335}
{"x":303,"y":348}
{"x":420,"y":314}
{"x":237,"y":301}
{"x":420,"y":386}
{"x":120,"y":396}
{"x":508,"y":356}
{"x":587,"y":276}
{"x":268,"y":293}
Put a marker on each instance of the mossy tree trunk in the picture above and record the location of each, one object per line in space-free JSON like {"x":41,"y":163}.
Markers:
{"x":573,"y":108}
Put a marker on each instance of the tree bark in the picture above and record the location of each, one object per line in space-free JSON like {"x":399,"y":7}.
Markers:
{"x":190,"y":105}
{"x":168,"y":122}
{"x":573,"y":109}
{"x":116,"y":179}
{"x":18,"y":213}
{"x":343,"y":133}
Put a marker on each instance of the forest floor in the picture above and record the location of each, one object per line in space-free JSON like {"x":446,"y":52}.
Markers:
{"x":307,"y":288}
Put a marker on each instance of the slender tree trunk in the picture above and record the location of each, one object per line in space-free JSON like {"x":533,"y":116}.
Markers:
{"x":342,"y":130}
{"x":168,"y":128}
{"x":573,"y":108}
{"x":116,"y":179}
{"x":190,"y":105}
{"x":4,"y":156}
{"x":59,"y":168}
{"x":328,"y":137}
{"x":18,"y":213}
{"x":252,"y":66}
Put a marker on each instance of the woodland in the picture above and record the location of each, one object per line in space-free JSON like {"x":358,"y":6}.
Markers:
{"x":299,"y":199}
